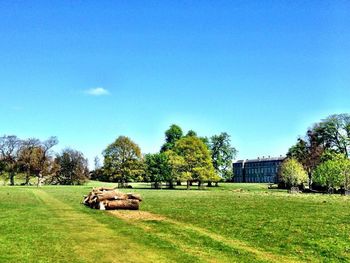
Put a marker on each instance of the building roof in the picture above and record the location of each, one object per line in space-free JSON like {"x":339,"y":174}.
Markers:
{"x":264,"y":159}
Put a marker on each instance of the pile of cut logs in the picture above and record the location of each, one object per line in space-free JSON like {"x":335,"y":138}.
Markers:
{"x":106,"y":198}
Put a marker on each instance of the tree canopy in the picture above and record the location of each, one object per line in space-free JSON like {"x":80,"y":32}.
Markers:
{"x":334,"y":172}
{"x":222,"y":154}
{"x":72,"y":168}
{"x":157,"y":167}
{"x":329,"y":135}
{"x":173,"y":134}
{"x":197,"y":159}
{"x":292,"y":173}
{"x":122,"y":160}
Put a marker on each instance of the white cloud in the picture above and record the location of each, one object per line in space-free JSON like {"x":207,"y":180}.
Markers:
{"x":97,"y":91}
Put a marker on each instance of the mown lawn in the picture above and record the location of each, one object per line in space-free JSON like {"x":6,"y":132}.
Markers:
{"x":221,"y":224}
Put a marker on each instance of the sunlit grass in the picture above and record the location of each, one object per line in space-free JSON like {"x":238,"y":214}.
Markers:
{"x":233,"y":222}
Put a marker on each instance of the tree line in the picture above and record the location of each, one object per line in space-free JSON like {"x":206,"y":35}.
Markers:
{"x":34,"y":158}
{"x":182,"y":158}
{"x":321,"y":157}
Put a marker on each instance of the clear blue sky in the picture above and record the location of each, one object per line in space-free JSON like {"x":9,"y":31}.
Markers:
{"x":89,"y":71}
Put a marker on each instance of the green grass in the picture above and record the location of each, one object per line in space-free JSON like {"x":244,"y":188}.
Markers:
{"x":230,"y":223}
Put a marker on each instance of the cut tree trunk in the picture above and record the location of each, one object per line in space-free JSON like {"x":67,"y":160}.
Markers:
{"x":130,"y":204}
{"x":104,"y":198}
{"x":134,"y":196}
{"x":111,"y":195}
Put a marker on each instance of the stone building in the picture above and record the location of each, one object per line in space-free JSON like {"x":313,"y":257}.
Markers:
{"x":261,"y":170}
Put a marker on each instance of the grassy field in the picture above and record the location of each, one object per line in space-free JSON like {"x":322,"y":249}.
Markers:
{"x":231,"y":223}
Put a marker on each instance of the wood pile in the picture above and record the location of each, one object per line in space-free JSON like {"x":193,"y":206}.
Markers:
{"x":106,"y":198}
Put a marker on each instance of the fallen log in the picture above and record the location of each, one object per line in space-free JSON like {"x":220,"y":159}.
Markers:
{"x":108,"y":195}
{"x":104,"y":188}
{"x":130,"y":204}
{"x":106,"y":198}
{"x":134,"y":196}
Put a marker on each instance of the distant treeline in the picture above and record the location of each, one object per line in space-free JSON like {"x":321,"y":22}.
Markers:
{"x":182,"y":158}
{"x":321,"y":157}
{"x":35,"y":158}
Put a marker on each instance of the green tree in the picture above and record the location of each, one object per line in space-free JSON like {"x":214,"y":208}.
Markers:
{"x":172,"y":135}
{"x":9,"y":148}
{"x":222,"y":154}
{"x":43,"y":156}
{"x":331,"y":134}
{"x":72,"y":168}
{"x":292,"y":173}
{"x":122,"y":160}
{"x":333,"y":173}
{"x":334,"y":133}
{"x":157,"y":168}
{"x":308,"y":152}
{"x":177,"y":166}
{"x":27,"y":157}
{"x":191,"y":133}
{"x":197,"y":161}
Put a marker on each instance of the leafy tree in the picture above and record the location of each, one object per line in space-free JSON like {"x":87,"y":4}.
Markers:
{"x":72,"y":168}
{"x":222,"y":154}
{"x":331,"y":134}
{"x":27,"y":157}
{"x":197,"y":161}
{"x":292,"y":173}
{"x":191,"y":133}
{"x":203,"y":139}
{"x":122,"y":160}
{"x":44,"y":160}
{"x":173,"y":134}
{"x":98,"y":172}
{"x":177,"y":167}
{"x":9,"y":147}
{"x":157,"y":168}
{"x":334,"y":172}
{"x":97,"y":162}
{"x":206,"y":141}
{"x":334,"y":133}
{"x":308,"y":152}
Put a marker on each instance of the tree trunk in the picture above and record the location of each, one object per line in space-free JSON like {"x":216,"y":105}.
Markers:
{"x":188,"y":185}
{"x":191,"y":183}
{"x":209,"y":184}
{"x":12,"y":178}
{"x":178,"y":183}
{"x":199,"y":184}
{"x":171,"y":185}
{"x":27,"y":178}
{"x":40,"y":180}
{"x":216,"y":184}
{"x":310,"y":180}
